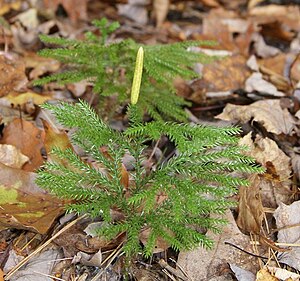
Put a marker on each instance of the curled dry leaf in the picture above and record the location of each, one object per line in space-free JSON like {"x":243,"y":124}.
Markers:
{"x":23,"y":204}
{"x":227,"y":74}
{"x":288,"y":15}
{"x":40,"y":65}
{"x":12,"y":156}
{"x":250,"y":209}
{"x":266,"y":112}
{"x":28,"y":138}
{"x":256,"y":83}
{"x":275,"y":184}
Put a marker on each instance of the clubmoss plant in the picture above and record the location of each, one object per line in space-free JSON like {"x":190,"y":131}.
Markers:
{"x":101,"y":62}
{"x":171,"y":201}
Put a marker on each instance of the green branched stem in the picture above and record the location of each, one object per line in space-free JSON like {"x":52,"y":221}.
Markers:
{"x":171,"y":200}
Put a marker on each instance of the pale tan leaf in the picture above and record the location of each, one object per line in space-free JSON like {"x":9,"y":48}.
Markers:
{"x":284,"y":274}
{"x":256,"y":83}
{"x":275,"y":184}
{"x":161,"y":8}
{"x":29,"y":18}
{"x":12,"y":156}
{"x":266,"y":112}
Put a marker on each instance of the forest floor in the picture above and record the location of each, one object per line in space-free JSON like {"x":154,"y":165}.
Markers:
{"x":256,"y":85}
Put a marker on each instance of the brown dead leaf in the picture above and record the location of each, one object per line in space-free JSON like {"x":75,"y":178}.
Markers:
{"x":223,"y":75}
{"x":12,"y":74}
{"x":277,"y":63}
{"x":26,"y":137}
{"x":233,"y":33}
{"x":276,"y":31}
{"x":275,"y":184}
{"x":76,"y":9}
{"x":256,"y":83}
{"x":7,"y":6}
{"x":12,"y":156}
{"x":160,"y":245}
{"x":289,"y":16}
{"x":222,"y":34}
{"x":40,"y":65}
{"x":276,"y":68}
{"x":266,"y":112}
{"x":55,"y":138}
{"x":250,"y":209}
{"x":23,"y":204}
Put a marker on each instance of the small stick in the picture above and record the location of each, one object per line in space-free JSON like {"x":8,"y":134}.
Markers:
{"x":180,"y":267}
{"x":111,"y":257}
{"x":51,"y":276}
{"x":246,"y":252}
{"x":172,"y":270}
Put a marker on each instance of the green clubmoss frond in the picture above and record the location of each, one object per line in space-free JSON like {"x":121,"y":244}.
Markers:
{"x":171,"y":201}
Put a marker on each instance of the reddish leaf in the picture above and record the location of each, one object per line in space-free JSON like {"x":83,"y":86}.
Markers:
{"x":250,"y":207}
{"x":28,"y":138}
{"x":54,"y":138}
